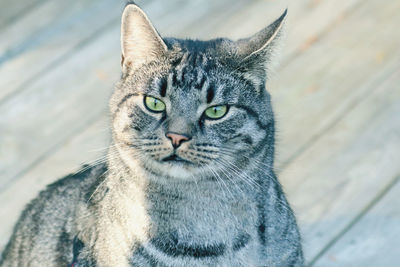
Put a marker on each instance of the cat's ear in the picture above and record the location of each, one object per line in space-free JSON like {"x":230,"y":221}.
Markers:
{"x":140,"y":42}
{"x":255,"y":52}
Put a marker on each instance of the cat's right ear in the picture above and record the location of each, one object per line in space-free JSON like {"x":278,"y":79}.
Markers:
{"x":255,"y":52}
{"x":140,"y":42}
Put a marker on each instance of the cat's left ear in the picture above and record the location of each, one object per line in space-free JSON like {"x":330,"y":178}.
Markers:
{"x":255,"y":52}
{"x":140,"y":41}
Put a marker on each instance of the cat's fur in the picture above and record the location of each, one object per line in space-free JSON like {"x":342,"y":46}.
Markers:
{"x":223,"y":206}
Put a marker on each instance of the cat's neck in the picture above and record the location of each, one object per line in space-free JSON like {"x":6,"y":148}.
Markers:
{"x":176,"y":203}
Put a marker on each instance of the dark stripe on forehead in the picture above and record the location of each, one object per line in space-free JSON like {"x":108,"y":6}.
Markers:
{"x":201,"y":79}
{"x":195,"y":58}
{"x":163,"y":86}
{"x":176,"y":61}
{"x":174,"y":79}
{"x":178,"y":69}
{"x":182,"y":78}
{"x":192,"y":72}
{"x":210,"y":93}
{"x":207,"y":65}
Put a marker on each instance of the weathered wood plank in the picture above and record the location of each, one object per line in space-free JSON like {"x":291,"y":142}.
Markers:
{"x":85,"y":147}
{"x":321,"y":84}
{"x":11,"y":10}
{"x":45,"y":102}
{"x":27,"y":27}
{"x":374,"y":240}
{"x":332,"y":182}
{"x":228,"y":22}
{"x":317,"y":18}
{"x":308,"y":20}
{"x":47,"y":35}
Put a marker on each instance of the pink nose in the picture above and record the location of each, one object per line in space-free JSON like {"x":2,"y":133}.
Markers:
{"x":177,"y":139}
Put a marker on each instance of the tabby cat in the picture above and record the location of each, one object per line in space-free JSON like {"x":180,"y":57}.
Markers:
{"x":189,"y":177}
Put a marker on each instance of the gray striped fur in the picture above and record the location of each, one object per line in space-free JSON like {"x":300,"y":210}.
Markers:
{"x":222,"y":206}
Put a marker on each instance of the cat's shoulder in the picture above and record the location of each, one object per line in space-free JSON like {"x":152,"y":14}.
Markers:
{"x":81,"y":180}
{"x":74,"y":187}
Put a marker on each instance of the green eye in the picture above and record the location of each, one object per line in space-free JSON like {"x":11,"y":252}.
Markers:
{"x":216,"y":112}
{"x":154,"y":104}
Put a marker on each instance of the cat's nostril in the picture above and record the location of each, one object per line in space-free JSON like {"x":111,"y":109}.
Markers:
{"x":177,"y":139}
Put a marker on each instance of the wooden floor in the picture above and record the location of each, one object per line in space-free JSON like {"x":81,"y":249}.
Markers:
{"x":336,"y":95}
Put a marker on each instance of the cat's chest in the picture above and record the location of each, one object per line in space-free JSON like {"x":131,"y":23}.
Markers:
{"x":205,"y":217}
{"x":200,"y":231}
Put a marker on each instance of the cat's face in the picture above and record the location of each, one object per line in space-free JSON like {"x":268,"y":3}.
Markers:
{"x":191,"y":111}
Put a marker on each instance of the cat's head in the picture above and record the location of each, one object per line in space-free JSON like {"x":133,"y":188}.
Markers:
{"x":191,"y":109}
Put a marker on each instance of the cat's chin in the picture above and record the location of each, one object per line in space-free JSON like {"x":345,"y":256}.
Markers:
{"x":164,"y":170}
{"x":175,"y":159}
{"x":176,"y":169}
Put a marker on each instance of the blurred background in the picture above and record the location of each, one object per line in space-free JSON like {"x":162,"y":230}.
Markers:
{"x":336,"y":94}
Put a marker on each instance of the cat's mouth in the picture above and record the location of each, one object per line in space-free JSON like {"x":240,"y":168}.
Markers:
{"x":175,"y":158}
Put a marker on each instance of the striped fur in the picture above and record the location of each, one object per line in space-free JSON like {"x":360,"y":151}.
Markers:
{"x":220,"y":205}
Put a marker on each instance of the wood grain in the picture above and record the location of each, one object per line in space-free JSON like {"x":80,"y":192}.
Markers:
{"x":332,"y":182}
{"x":302,"y":30}
{"x":47,"y":35}
{"x":85,"y":147}
{"x":374,"y":240}
{"x":11,"y":10}
{"x":320,"y":85}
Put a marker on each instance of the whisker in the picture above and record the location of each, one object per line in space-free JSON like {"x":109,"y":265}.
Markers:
{"x":230,"y":179}
{"x":253,"y":183}
{"x":222,"y":181}
{"x":241,"y":175}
